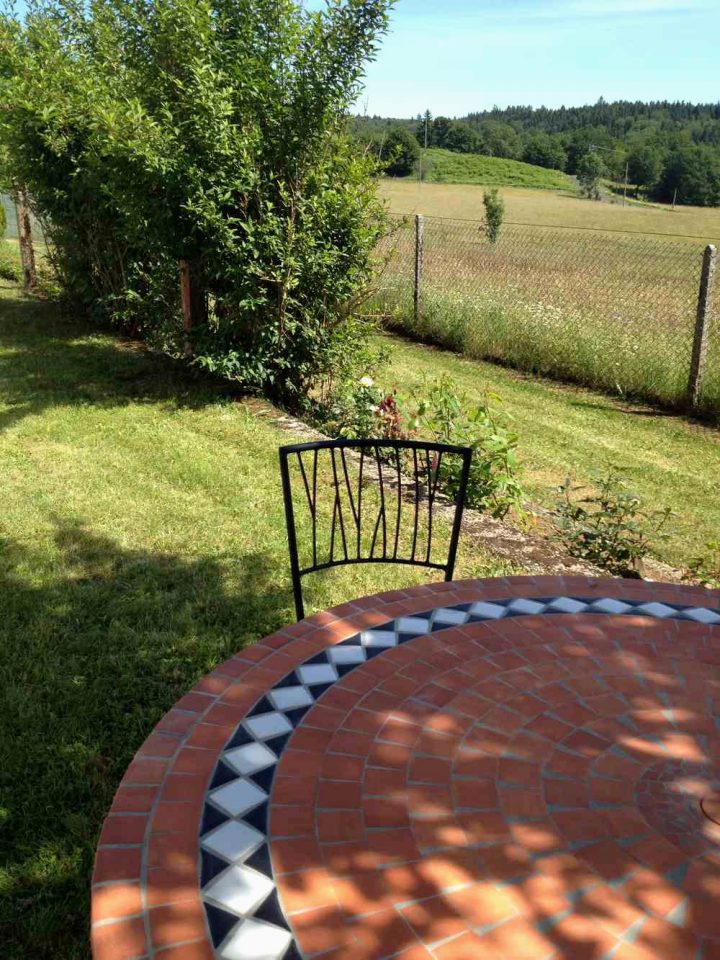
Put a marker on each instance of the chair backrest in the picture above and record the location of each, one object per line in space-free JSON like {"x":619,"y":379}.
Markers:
{"x":370,"y":490}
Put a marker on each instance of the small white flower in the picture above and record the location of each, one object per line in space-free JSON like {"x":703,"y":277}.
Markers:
{"x":366,"y":381}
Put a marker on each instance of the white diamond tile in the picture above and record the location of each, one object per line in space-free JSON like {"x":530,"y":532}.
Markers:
{"x":566,"y":605}
{"x":268,"y":725}
{"x":378,"y":638}
{"x":288,"y":698}
{"x":233,"y":840}
{"x":250,"y":758}
{"x":253,"y":940}
{"x":526,"y":606}
{"x":492,"y":611}
{"x":702,"y":615}
{"x":656,"y":610}
{"x":609,"y":605}
{"x":237,"y":797}
{"x":416,"y":625}
{"x":450,"y":616}
{"x":240,"y":890}
{"x":318,"y":673}
{"x":350,"y":654}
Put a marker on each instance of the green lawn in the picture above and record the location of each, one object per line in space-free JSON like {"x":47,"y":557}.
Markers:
{"x":669,"y":460}
{"x":142,"y":543}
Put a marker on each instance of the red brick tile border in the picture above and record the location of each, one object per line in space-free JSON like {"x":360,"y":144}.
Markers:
{"x":361,"y":794}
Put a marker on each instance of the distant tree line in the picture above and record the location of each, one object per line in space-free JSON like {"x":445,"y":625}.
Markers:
{"x":669,"y":150}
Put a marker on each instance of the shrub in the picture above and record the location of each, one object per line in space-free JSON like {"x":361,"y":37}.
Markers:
{"x":208,"y":132}
{"x":494,"y":214}
{"x":706,"y":567}
{"x":608,"y":526}
{"x":589,"y":171}
{"x":444,"y":415}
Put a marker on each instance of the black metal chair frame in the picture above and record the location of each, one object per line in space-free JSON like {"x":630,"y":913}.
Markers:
{"x":338,"y":450}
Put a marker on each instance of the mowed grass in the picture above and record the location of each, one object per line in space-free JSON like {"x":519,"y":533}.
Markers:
{"x":565,"y":431}
{"x":547,"y":207}
{"x":143,"y":542}
{"x":444,"y":166}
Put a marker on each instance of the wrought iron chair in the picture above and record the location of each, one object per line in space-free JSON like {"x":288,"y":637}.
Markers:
{"x":369,"y":488}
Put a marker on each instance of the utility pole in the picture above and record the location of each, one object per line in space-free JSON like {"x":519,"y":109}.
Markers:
{"x":627,"y":168}
{"x":674,"y":198}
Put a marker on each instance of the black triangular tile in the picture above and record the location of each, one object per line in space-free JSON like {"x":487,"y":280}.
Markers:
{"x":223,"y":774}
{"x":211,"y":818}
{"x":296,"y":715}
{"x":260,"y":861}
{"x":262,"y":706}
{"x":404,"y":637}
{"x":345,"y":668}
{"x":264,"y":778}
{"x":210,"y":867}
{"x":291,"y":680}
{"x":240,"y":738}
{"x":220,"y":922}
{"x":353,"y":641}
{"x":278,"y":744}
{"x":292,"y":953}
{"x":318,"y":689}
{"x":258,"y":818}
{"x":271,"y":911}
{"x":318,"y":658}
{"x":371,"y":652}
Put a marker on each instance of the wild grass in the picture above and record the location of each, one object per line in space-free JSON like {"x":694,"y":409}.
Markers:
{"x":444,"y":166}
{"x":610,"y":311}
{"x":142,"y":541}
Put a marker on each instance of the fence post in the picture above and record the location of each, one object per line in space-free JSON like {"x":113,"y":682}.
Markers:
{"x":419,"y":238}
{"x":702,"y":326}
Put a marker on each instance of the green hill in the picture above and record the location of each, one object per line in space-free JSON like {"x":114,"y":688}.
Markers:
{"x":449,"y":167}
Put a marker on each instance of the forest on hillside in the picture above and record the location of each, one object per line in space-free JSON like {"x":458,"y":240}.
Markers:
{"x":669,"y":151}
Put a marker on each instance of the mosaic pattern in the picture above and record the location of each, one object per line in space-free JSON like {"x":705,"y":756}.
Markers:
{"x":238,"y":887}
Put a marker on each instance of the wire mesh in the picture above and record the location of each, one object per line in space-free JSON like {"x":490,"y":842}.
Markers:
{"x":611,"y":310}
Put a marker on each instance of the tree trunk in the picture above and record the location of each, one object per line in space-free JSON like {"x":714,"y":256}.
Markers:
{"x":27,"y":253}
{"x":194,"y":302}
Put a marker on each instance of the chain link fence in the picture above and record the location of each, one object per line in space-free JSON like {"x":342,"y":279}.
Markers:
{"x":615,"y":311}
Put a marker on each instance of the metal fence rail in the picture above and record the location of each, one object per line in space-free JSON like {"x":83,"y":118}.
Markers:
{"x":617,"y":311}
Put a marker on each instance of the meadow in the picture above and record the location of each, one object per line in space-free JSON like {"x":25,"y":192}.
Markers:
{"x":578,"y":301}
{"x":445,"y":166}
{"x":547,"y":208}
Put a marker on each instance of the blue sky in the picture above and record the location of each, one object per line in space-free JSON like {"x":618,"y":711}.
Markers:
{"x":455,"y":56}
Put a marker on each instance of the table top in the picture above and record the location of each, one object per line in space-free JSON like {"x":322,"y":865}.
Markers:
{"x":516,"y":768}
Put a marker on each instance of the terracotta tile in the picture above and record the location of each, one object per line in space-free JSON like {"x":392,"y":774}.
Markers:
{"x":129,"y":799}
{"x":124,"y":940}
{"x":337,"y":826}
{"x":435,"y":919}
{"x":468,"y":946}
{"x":176,"y":817}
{"x":124,"y":829}
{"x":199,"y":950}
{"x":116,"y":901}
{"x":291,"y":855}
{"x":292,"y":821}
{"x":177,"y":923}
{"x":379,"y":812}
{"x":117,"y":863}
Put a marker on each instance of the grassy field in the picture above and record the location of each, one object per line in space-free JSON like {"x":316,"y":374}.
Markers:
{"x":548,"y":208}
{"x":444,"y":166}
{"x":143,"y":542}
{"x":609,"y":309}
{"x":565,"y":431}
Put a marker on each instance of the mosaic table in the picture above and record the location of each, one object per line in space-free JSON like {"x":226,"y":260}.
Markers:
{"x":517,"y":768}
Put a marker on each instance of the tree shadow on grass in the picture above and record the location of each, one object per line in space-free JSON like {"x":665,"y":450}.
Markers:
{"x":49,"y":359}
{"x":97,"y":644}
